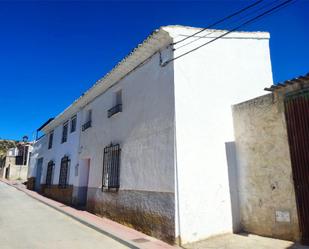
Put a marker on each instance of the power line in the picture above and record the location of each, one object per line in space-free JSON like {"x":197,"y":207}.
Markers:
{"x":221,"y":20}
{"x":239,"y":19}
{"x":230,"y":31}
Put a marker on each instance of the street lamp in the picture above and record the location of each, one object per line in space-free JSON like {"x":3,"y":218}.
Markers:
{"x":25,"y":140}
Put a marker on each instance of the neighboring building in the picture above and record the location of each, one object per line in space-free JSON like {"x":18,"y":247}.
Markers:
{"x":16,"y":162}
{"x":272,"y":147}
{"x":149,"y":144}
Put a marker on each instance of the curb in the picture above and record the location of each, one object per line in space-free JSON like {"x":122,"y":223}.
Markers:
{"x":84,"y":222}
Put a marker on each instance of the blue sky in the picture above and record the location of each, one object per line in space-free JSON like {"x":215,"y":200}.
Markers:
{"x":51,"y":52}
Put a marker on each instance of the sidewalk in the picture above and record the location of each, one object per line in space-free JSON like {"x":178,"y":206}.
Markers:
{"x":118,"y":232}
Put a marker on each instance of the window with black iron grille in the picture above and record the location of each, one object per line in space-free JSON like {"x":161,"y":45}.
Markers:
{"x":50,"y":140}
{"x":49,"y":173}
{"x":111,"y":167}
{"x":64,"y":171}
{"x":65,"y":132}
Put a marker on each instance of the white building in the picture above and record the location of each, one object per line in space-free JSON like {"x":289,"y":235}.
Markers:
{"x":159,"y":127}
{"x":16,"y":162}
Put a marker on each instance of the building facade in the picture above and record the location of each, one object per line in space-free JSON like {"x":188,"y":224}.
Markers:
{"x":16,"y":162}
{"x":149,"y":147}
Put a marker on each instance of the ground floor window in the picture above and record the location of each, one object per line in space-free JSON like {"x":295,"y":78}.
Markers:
{"x":111,"y":167}
{"x":64,"y":172}
{"x":49,"y":173}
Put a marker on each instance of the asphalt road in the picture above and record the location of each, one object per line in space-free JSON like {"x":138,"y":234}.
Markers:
{"x":26,"y":223}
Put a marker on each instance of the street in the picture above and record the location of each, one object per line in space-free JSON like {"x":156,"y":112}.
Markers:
{"x":29,"y":224}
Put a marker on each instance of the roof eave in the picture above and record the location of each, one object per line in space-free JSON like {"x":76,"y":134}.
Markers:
{"x":158,"y":40}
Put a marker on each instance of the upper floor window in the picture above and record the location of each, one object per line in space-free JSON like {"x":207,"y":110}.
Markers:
{"x":50,"y":140}
{"x":49,"y":173}
{"x":88,"y":120}
{"x":118,"y":97}
{"x":117,"y":104}
{"x":73,"y":124}
{"x":64,"y":172}
{"x":65,"y":132}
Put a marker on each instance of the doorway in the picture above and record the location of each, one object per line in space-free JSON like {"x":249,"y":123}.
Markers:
{"x":39,"y":166}
{"x":84,"y":169}
{"x":297,"y":119}
{"x":7,"y":172}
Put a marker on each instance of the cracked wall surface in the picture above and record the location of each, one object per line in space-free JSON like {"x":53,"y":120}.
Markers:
{"x":266,"y":190}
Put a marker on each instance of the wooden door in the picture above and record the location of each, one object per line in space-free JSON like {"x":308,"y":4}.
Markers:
{"x":297,"y":119}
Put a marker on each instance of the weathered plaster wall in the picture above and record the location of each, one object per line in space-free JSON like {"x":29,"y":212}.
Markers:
{"x":145,"y":131}
{"x":207,"y":82}
{"x":63,"y":195}
{"x":148,"y":211}
{"x":264,"y":168}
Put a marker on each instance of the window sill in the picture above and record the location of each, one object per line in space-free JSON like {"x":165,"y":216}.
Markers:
{"x":110,"y":189}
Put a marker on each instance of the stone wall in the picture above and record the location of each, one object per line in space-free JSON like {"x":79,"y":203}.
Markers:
{"x":63,"y":195}
{"x":266,"y":190}
{"x":149,"y":212}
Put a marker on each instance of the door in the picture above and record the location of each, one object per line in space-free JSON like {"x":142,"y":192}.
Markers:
{"x":7,"y":172}
{"x":39,"y":166}
{"x":297,"y":119}
{"x":84,"y":168}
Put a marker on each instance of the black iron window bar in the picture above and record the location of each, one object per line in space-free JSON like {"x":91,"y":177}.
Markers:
{"x":111,"y":167}
{"x":64,"y":170}
{"x":114,"y":110}
{"x":86,"y":125}
{"x":49,"y":173}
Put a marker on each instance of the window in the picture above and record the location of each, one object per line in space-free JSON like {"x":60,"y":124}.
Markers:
{"x":73,"y":124}
{"x":50,"y":140}
{"x":87,"y":124}
{"x":111,"y":165}
{"x":49,"y":173}
{"x":117,"y":104}
{"x":64,"y":172}
{"x":65,"y":132}
{"x":22,"y":157}
{"x":118,"y":97}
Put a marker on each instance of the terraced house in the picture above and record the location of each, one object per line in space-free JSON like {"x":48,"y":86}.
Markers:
{"x":146,"y":145}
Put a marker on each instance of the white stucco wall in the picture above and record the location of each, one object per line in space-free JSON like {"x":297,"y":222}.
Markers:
{"x":207,"y":82}
{"x":59,"y":150}
{"x":38,"y":151}
{"x":144,"y":130}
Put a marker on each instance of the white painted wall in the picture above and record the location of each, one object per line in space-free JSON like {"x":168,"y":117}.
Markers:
{"x":38,"y":151}
{"x":58,"y":150}
{"x":144,"y":129}
{"x":207,"y":82}
{"x":192,"y":95}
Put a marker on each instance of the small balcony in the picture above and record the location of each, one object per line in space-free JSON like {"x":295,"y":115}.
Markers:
{"x":114,"y":110}
{"x":86,"y":125}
